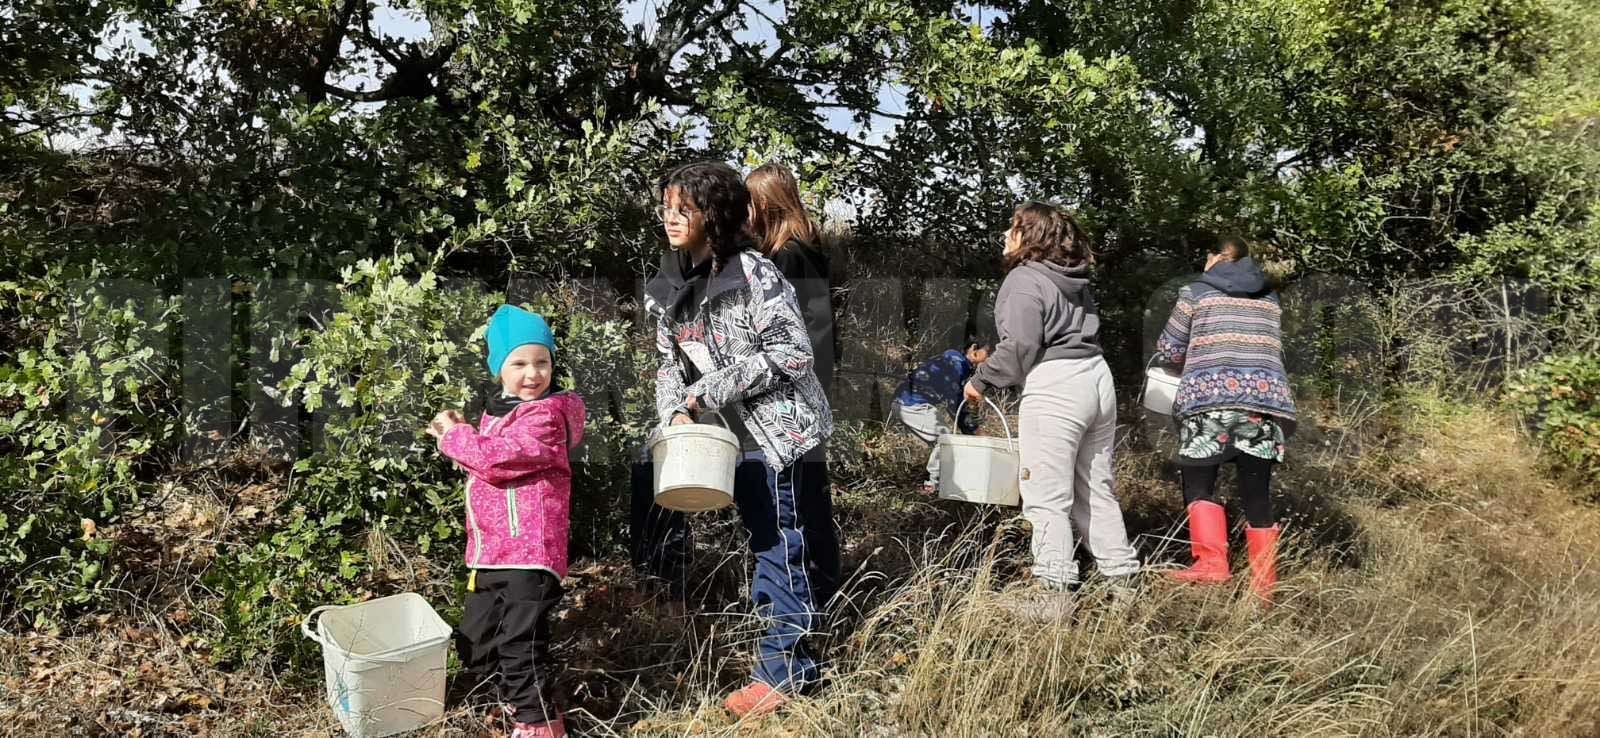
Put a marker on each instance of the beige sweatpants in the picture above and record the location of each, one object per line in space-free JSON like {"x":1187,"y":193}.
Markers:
{"x":924,"y":422}
{"x":1067,"y":429}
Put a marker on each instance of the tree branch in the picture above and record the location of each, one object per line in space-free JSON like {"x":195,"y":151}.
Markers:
{"x":314,"y":77}
{"x":379,"y":95}
{"x":442,"y":54}
{"x":332,"y":40}
{"x":847,"y":106}
{"x":413,"y":71}
{"x":881,"y":152}
{"x":412,"y":78}
{"x":668,"y":45}
{"x":1299,"y":157}
{"x":41,"y":124}
{"x":715,"y":19}
{"x":377,"y":44}
{"x":776,"y":55}
{"x":763,"y":14}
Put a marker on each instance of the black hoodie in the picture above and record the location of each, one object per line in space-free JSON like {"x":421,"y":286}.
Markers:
{"x":806,"y":267}
{"x":1044,"y":311}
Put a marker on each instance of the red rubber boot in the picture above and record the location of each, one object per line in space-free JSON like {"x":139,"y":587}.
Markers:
{"x":1263,"y":546}
{"x":1208,"y":540}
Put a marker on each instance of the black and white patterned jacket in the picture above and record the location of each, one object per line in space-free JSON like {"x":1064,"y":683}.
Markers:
{"x":750,"y":350}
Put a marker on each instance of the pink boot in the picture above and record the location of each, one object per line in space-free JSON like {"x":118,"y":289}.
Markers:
{"x":554,"y":729}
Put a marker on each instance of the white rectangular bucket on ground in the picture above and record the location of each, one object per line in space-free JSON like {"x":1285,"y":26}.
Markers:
{"x":384,"y":662}
{"x":980,"y":469}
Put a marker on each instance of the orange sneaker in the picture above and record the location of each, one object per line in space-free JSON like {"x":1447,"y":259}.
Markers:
{"x":755,"y":699}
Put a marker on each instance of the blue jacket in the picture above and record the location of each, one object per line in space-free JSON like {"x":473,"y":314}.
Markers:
{"x":940,"y":381}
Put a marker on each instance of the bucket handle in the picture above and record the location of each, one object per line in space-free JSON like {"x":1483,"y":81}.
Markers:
{"x":305,"y":625}
{"x":716,"y":414}
{"x":997,"y":411}
{"x":721,"y":421}
{"x":1148,"y":365}
{"x":305,"y":629}
{"x":1151,"y":364}
{"x":696,"y":420}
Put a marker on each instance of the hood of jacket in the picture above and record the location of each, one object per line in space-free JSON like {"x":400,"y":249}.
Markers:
{"x":1242,"y":278}
{"x":679,"y":282}
{"x":568,"y":406}
{"x":1071,"y":280}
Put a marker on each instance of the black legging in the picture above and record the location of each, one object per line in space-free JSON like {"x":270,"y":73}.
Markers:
{"x":1255,"y":482}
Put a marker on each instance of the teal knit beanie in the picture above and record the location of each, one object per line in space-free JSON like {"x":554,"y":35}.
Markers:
{"x":512,"y":327}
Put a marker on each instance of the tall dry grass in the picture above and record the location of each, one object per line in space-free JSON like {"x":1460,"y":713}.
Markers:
{"x":1465,"y":601}
{"x":1434,"y":584}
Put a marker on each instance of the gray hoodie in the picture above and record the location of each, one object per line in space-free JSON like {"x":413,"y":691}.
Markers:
{"x":1045,"y":311}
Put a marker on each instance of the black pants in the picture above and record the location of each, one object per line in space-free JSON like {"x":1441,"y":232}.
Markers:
{"x":504,"y":637}
{"x":660,"y":537}
{"x":1254,"y":486}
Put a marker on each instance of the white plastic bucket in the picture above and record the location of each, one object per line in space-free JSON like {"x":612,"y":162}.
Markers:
{"x":979,"y":469}
{"x":1160,"y":390}
{"x":384,"y":663}
{"x":694,"y":465}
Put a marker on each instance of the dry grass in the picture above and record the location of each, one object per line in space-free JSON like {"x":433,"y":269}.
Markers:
{"x":1434,"y":585}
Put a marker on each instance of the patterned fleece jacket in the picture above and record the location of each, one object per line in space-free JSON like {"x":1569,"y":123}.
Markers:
{"x":738,"y":342}
{"x":1226,"y":333}
{"x":519,"y":485}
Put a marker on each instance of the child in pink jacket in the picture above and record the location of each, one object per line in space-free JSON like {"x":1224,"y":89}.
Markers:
{"x":519,"y":489}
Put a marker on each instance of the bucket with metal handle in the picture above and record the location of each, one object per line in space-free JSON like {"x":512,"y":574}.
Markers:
{"x":980,"y":469}
{"x":694,"y":466}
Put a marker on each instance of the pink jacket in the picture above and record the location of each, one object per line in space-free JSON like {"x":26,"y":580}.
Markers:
{"x":519,"y":486}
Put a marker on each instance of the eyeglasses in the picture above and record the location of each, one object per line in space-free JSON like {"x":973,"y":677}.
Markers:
{"x":664,"y":213}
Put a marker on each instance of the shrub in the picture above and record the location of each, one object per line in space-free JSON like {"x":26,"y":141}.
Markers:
{"x":88,"y":410}
{"x":395,"y":350}
{"x":613,"y":367}
{"x":1563,"y":392}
